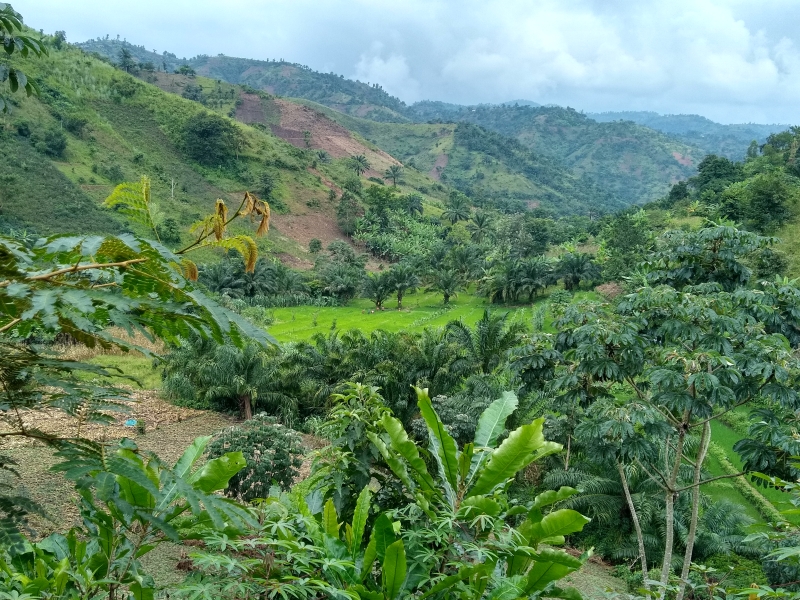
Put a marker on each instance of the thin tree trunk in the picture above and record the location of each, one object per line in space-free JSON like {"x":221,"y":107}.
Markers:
{"x":670,"y":504}
{"x":636,"y":525}
{"x":705,"y":439}
{"x":569,"y":447}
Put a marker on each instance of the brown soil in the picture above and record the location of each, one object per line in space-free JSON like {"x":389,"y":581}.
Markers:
{"x":609,"y":290}
{"x":304,"y":228}
{"x":250,"y":110}
{"x":439,"y":166}
{"x":684,"y":160}
{"x":326,"y":135}
{"x":294,"y":261}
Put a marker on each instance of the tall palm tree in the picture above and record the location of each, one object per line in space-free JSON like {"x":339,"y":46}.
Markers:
{"x":359,"y":164}
{"x":404,"y":280}
{"x":448,"y":283}
{"x":457,"y":210}
{"x":575,"y":267}
{"x":480,"y":227}
{"x":413,"y":203}
{"x":393,"y":173}
{"x":533,"y":274}
{"x":489,"y":342}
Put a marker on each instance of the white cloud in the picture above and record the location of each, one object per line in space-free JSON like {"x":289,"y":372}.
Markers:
{"x":731,"y":60}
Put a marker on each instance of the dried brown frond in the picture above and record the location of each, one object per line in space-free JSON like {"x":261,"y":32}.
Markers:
{"x":190,"y":270}
{"x":264,"y":211}
{"x":249,"y":204}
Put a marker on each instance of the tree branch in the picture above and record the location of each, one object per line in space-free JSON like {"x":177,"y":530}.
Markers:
{"x":78,"y":267}
{"x":688,"y":487}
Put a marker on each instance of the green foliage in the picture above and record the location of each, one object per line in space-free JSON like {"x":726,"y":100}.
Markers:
{"x":51,"y":142}
{"x":271,"y":452}
{"x":211,"y":140}
{"x":16,"y":42}
{"x":315,"y":246}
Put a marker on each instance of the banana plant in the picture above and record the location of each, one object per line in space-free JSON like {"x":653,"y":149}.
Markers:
{"x":469,"y":489}
{"x":129,"y":504}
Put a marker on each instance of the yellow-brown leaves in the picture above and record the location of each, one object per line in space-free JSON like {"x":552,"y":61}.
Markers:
{"x":245,"y":246}
{"x":189,"y":269}
{"x":220,"y":219}
{"x":254,"y":208}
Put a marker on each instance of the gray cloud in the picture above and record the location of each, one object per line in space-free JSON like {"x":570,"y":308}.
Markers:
{"x":731,"y":60}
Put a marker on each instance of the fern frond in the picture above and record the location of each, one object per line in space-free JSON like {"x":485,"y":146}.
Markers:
{"x":133,"y":201}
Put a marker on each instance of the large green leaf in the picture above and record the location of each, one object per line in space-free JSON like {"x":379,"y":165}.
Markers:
{"x":442,"y":443}
{"x":360,"y":518}
{"x":516,"y":452}
{"x":490,"y":425}
{"x":552,"y":496}
{"x":216,"y":473}
{"x":557,"y":523}
{"x":542,"y":573}
{"x":394,"y":570}
{"x":409,"y":451}
{"x":383,"y":534}
{"x":191,"y":455}
{"x":330,"y":520}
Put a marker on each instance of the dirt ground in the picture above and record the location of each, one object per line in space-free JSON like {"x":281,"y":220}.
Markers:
{"x":439,"y":166}
{"x":250,"y":110}
{"x":326,"y":135}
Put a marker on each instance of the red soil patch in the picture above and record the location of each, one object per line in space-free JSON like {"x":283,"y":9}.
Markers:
{"x":439,"y":166}
{"x":684,"y":160}
{"x":304,"y":228}
{"x":250,"y":110}
{"x":325,"y":135}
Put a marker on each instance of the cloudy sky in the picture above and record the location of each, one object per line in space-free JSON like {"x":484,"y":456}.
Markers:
{"x":730,"y":60}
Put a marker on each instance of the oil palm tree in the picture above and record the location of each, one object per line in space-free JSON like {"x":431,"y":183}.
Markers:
{"x":413,"y":203}
{"x":359,"y":164}
{"x":448,"y":283}
{"x":378,"y":287}
{"x":575,"y":267}
{"x":393,"y":173}
{"x":487,"y":344}
{"x":480,"y":227}
{"x":404,"y":280}
{"x":457,"y":209}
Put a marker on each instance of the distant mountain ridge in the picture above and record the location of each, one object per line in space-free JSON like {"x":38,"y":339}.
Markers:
{"x":715,"y":138}
{"x":634,"y":156}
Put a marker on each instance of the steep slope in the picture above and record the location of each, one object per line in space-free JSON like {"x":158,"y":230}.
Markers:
{"x":274,"y":76}
{"x":94,"y":126}
{"x":730,"y":141}
{"x":492,"y":169}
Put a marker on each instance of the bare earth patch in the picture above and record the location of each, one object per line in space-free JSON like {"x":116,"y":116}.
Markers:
{"x":250,"y":110}
{"x":325,"y":135}
{"x":304,"y":228}
{"x":439,"y":166}
{"x":686,"y":161}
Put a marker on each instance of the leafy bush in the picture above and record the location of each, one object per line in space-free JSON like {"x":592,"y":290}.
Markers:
{"x":271,"y":450}
{"x":736,"y":571}
{"x":210,"y":139}
{"x":52,"y":142}
{"x":314,"y":246}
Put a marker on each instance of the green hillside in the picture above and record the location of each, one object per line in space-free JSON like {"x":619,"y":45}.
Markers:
{"x":492,"y":169}
{"x":632,"y":162}
{"x":730,"y":141}
{"x":275,"y":76}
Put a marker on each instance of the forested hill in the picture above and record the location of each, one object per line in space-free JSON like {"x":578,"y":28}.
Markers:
{"x":630,"y":162}
{"x":275,"y":76}
{"x":730,"y":141}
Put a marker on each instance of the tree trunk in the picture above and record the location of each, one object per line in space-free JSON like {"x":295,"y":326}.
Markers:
{"x":636,"y":525}
{"x":705,"y":439}
{"x":670,"y":504}
{"x":246,"y":406}
{"x":399,"y":299}
{"x":447,"y":298}
{"x":569,"y":447}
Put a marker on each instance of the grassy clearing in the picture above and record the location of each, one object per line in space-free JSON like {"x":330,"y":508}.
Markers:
{"x":726,"y":437}
{"x":421,"y":310}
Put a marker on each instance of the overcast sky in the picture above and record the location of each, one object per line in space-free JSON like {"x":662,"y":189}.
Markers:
{"x":730,"y":60}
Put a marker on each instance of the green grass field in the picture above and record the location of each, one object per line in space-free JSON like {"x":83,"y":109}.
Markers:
{"x":420,"y":310}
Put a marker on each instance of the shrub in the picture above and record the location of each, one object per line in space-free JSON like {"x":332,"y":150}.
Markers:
{"x":53,"y":143}
{"x":736,"y":572}
{"x":210,"y":139}
{"x":314,"y":246}
{"x":271,"y":450}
